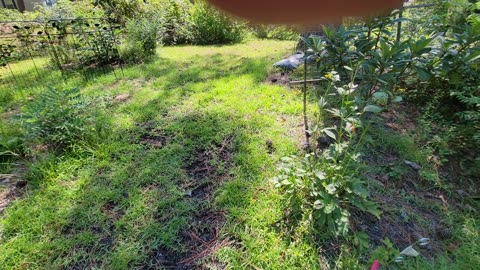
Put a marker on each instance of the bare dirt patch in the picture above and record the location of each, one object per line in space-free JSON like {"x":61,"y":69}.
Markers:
{"x":152,"y":136}
{"x":399,"y":120}
{"x":11,"y":188}
{"x":113,"y":85}
{"x":401,"y":222}
{"x":279,"y":78}
{"x":207,"y":172}
{"x":212,"y":162}
{"x":164,"y":258}
{"x":409,"y":210}
{"x":155,"y":140}
{"x":295,"y":128}
{"x":112,"y":210}
{"x":201,"y":239}
{"x":122,"y":97}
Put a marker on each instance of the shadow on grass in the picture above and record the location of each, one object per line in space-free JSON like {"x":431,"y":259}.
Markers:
{"x":26,"y":74}
{"x":142,"y":198}
{"x":27,"y":78}
{"x":135,"y":203}
{"x":149,"y":206}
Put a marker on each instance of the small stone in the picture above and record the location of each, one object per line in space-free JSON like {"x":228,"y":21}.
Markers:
{"x":409,"y":251}
{"x":270,"y":147}
{"x":21,"y":184}
{"x":424,"y":241}
{"x":324,"y":142}
{"x":7,"y":180}
{"x":412,"y":165}
{"x":122,"y":97}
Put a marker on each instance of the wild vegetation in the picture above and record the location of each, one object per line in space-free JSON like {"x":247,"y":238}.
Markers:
{"x":79,"y":35}
{"x":191,"y":159}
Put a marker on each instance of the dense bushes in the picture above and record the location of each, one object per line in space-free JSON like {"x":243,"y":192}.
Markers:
{"x":188,"y":22}
{"x":180,"y":21}
{"x":141,"y":41}
{"x":184,"y":22}
{"x":173,"y":22}
{"x":447,"y":82}
{"x":58,"y":118}
{"x":176,"y":22}
{"x":67,"y":9}
{"x":61,"y":9}
{"x":213,"y":27}
{"x":13,"y":14}
{"x":275,"y":32}
{"x":121,"y":10}
{"x":438,"y":70}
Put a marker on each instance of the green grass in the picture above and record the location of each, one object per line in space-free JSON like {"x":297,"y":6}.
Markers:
{"x":115,"y":203}
{"x":119,"y":202}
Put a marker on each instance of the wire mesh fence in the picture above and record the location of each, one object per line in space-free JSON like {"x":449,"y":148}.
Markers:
{"x":36,"y":52}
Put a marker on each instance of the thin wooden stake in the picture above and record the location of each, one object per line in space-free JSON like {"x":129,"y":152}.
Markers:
{"x":399,"y":27}
{"x":307,"y":81}
{"x":305,"y":118}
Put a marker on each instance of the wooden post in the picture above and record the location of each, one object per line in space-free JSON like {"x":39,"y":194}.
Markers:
{"x":399,"y":27}
{"x":305,"y":118}
{"x":20,"y":5}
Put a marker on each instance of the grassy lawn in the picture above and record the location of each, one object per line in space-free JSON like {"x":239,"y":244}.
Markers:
{"x":175,"y":175}
{"x":185,"y":148}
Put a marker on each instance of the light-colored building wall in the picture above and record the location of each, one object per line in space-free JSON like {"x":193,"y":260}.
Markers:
{"x":28,"y":4}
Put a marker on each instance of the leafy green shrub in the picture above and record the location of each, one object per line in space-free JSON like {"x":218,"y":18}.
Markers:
{"x":121,"y":11}
{"x":15,"y":15}
{"x":96,"y":37}
{"x":176,"y":22}
{"x":321,"y":187}
{"x":6,"y":96}
{"x":385,"y":253}
{"x":69,"y":43}
{"x":438,"y":68}
{"x":141,"y":41}
{"x":58,"y":118}
{"x":212,"y":27}
{"x":11,"y":144}
{"x":321,"y":192}
{"x":67,"y":9}
{"x":275,"y":32}
{"x":447,"y":80}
